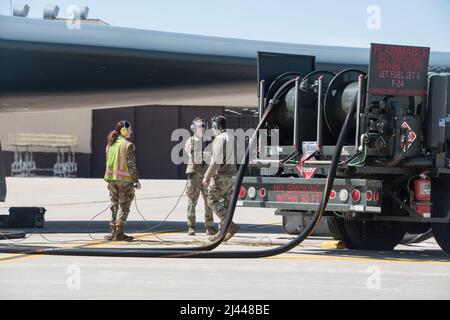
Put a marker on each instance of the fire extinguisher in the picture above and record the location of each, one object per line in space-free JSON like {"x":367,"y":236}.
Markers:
{"x":422,"y":196}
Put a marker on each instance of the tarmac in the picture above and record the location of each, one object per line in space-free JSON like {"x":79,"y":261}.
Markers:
{"x":310,"y":271}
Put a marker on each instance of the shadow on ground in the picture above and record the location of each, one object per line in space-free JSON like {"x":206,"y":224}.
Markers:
{"x":415,"y":253}
{"x":138,"y":226}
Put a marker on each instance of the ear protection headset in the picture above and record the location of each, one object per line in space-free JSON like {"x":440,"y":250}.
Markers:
{"x":193,"y":126}
{"x":214,"y":124}
{"x":218,"y":125}
{"x":126,"y":125}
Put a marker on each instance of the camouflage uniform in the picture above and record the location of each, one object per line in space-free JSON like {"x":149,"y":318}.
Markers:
{"x":219,"y":193}
{"x":195,"y":170}
{"x":122,"y":193}
{"x":221,"y":170}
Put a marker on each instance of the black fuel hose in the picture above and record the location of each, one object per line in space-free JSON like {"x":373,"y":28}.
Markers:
{"x":231,"y":209}
{"x":230,"y":214}
{"x":280,"y":81}
{"x":160,"y":253}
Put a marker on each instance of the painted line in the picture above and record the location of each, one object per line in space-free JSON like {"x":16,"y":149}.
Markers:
{"x":5,"y":258}
{"x":140,"y":237}
{"x":19,"y":256}
{"x":88,"y":244}
{"x":357,"y":259}
{"x":25,"y":255}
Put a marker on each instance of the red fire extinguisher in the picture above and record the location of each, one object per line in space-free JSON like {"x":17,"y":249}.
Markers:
{"x":422,"y":196}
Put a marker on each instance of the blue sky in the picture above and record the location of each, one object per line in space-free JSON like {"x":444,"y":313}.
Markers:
{"x":326,"y":22}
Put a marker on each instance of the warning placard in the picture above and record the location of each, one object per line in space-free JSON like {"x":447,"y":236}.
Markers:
{"x":398,"y":70}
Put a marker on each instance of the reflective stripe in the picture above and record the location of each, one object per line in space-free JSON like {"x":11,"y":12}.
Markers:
{"x":118,"y":172}
{"x":116,"y":163}
{"x":122,"y":157}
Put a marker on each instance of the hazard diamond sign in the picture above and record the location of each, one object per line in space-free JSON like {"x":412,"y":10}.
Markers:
{"x":306,"y":172}
{"x":412,"y":136}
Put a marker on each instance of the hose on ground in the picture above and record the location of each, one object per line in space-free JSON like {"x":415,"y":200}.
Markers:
{"x":197,"y":252}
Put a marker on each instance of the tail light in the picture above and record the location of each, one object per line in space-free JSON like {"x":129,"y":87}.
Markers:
{"x":262,"y":192}
{"x":376,"y":196}
{"x":242,"y":192}
{"x":369,"y":195}
{"x":356,"y":195}
{"x":332,"y":194}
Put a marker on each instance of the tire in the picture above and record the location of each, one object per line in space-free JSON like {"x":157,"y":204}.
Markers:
{"x":374,"y":235}
{"x":441,"y":232}
{"x":338,"y":231}
{"x":332,"y":225}
{"x":441,"y":209}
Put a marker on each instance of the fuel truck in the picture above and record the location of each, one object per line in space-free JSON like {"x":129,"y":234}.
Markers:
{"x":393,"y":171}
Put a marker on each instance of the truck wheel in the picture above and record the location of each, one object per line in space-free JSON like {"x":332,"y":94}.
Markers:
{"x":332,"y":225}
{"x":441,"y":209}
{"x":338,"y":231}
{"x":374,"y":235}
{"x":441,"y":232}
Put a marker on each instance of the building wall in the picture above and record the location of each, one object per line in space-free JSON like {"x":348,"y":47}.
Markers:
{"x":153,"y":127}
{"x":73,"y":122}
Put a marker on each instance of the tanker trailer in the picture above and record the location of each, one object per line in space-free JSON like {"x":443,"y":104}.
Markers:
{"x":394,"y":169}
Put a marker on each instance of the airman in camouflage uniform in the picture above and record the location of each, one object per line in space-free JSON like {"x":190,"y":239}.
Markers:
{"x":219,"y":175}
{"x":196,"y":168}
{"x":122,"y":176}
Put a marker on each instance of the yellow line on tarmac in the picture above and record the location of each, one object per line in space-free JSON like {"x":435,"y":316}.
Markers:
{"x":357,"y":259}
{"x":7,"y":256}
{"x":13,"y":257}
{"x":140,"y":237}
{"x":18,"y":256}
{"x":24,"y":255}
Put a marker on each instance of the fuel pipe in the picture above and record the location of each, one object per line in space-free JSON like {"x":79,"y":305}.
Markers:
{"x":202,"y":252}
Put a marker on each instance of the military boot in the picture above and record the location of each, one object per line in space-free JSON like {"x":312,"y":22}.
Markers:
{"x":112,"y":235}
{"x":216,"y":236}
{"x":120,"y":236}
{"x":210,"y":231}
{"x":231,"y":231}
{"x":191,"y":231}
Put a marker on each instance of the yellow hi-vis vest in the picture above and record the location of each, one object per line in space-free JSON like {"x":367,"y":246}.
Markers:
{"x":116,"y":161}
